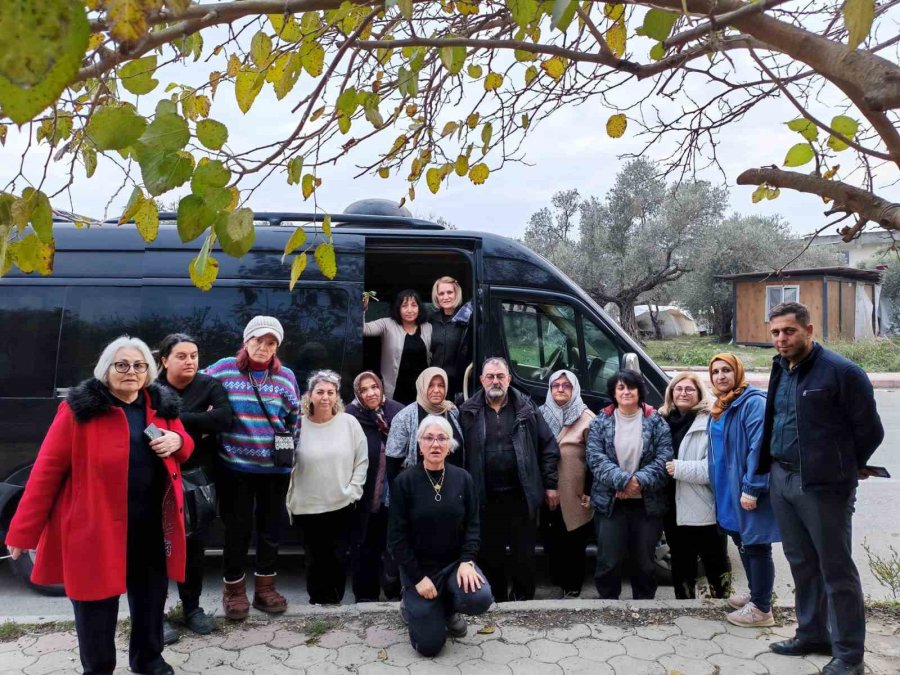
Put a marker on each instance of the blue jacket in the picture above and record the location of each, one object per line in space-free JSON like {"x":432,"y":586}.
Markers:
{"x":732,"y":470}
{"x":610,"y":478}
{"x":837,"y":422}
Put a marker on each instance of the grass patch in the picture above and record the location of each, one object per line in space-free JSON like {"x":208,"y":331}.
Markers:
{"x":316,"y":628}
{"x":10,"y":630}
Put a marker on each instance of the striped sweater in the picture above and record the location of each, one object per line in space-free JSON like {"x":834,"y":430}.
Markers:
{"x":249,"y":445}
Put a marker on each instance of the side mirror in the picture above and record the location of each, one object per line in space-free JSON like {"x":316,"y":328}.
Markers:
{"x":630,"y":361}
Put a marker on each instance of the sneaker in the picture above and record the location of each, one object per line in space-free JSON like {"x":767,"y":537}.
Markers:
{"x":456,"y":626}
{"x":200,"y":622}
{"x":170,"y":635}
{"x":738,"y":600}
{"x":750,"y":616}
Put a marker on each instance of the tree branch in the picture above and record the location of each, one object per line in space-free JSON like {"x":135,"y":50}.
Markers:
{"x":719,"y":21}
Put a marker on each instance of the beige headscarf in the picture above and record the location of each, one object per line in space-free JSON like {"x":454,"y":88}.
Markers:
{"x":422,"y":383}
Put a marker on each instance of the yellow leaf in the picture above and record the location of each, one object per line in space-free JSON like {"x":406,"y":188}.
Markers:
{"x":214,"y":79}
{"x":555,"y":67}
{"x":308,"y":185}
{"x":616,"y":37}
{"x":616,"y":125}
{"x":297,"y":268}
{"x":474,"y":71}
{"x":479,"y":173}
{"x":472,"y":120}
{"x":325,"y":259}
{"x":234,"y":65}
{"x":203,"y":275}
{"x":828,"y":175}
{"x":398,"y":145}
{"x":298,"y":238}
{"x":433,"y":178}
{"x":313,"y":57}
{"x":127,"y":19}
{"x":449,"y":128}
{"x":858,"y":18}
{"x":95,"y":41}
{"x":146,"y":218}
{"x":384,"y":172}
{"x":235,"y":199}
{"x":462,"y":165}
{"x":247,"y":86}
{"x":531,"y":74}
{"x":326,"y":225}
{"x":411,"y":110}
{"x":526,"y":121}
{"x":486,"y":629}
{"x":412,"y":193}
{"x":317,"y":114}
{"x":493,"y":81}
{"x":614,"y":11}
{"x":467,"y":8}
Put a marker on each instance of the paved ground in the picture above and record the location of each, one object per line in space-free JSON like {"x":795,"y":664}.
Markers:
{"x":617,"y":640}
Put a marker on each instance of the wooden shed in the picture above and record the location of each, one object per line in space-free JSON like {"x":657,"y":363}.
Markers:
{"x":842,"y":301}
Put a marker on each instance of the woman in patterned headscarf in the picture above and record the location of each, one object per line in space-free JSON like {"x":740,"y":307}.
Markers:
{"x":566,"y":529}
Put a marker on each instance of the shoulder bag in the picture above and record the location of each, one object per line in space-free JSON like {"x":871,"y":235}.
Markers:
{"x":283,"y":455}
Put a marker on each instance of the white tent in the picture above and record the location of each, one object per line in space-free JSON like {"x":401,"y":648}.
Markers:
{"x":673,"y":321}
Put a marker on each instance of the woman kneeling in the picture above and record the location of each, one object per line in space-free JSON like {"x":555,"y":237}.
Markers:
{"x":434,"y":535}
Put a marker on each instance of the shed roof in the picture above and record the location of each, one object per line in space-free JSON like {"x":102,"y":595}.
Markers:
{"x":843,"y":272}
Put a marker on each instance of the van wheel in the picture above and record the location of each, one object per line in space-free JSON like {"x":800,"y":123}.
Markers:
{"x":22,"y":568}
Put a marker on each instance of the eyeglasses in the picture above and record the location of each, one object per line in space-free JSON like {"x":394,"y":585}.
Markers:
{"x":561,"y":386}
{"x":123,"y":367}
{"x":431,"y":440}
{"x":495,"y":376}
{"x":684,"y":390}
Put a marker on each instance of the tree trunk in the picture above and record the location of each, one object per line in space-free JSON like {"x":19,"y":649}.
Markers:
{"x":654,"y":319}
{"x":627,"y":319}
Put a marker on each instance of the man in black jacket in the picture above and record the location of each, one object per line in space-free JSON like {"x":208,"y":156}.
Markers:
{"x":821,"y":427}
{"x":512,"y":457}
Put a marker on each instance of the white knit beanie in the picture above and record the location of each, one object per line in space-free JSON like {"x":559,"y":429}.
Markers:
{"x":264,"y":325}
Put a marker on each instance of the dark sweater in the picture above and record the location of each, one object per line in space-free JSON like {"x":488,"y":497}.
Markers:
{"x":202,"y":424}
{"x":146,"y":473}
{"x":425,"y":536}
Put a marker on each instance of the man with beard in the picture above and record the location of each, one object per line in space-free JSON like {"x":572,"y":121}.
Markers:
{"x":512,"y":456}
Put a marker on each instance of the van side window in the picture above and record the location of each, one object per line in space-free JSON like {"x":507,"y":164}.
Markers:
{"x":30,"y":320}
{"x":602,"y":356}
{"x":540,"y":338}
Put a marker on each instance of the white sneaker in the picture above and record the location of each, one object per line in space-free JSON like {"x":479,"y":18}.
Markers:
{"x":738,"y":600}
{"x":750,"y":616}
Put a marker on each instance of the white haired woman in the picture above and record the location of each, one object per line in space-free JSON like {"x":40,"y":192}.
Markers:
{"x":449,"y":331}
{"x":105,"y":496}
{"x":329,"y":474}
{"x":690,"y":523}
{"x":434,"y":534}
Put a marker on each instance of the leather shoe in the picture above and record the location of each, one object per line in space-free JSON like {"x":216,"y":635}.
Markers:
{"x":160,"y":667}
{"x":798,"y":647}
{"x":838,"y":667}
{"x":170,"y":635}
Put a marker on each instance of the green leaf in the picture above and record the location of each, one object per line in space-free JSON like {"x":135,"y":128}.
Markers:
{"x":162,"y":170}
{"x":847,"y":127}
{"x":168,"y":132}
{"x":41,"y":214}
{"x":247,"y":86}
{"x":115,"y":126}
{"x":134,"y":203}
{"x":89,"y":157}
{"x":805,"y":128}
{"x":42,"y":47}
{"x":453,"y":59}
{"x":524,"y":11}
{"x":562,"y":14}
{"x":406,"y":8}
{"x":194,"y":217}
{"x":236,"y":232}
{"x":799,"y":155}
{"x":759,"y":194}
{"x":658,"y":24}
{"x":297,"y":267}
{"x":474,"y":71}
{"x":30,"y":254}
{"x":858,"y":18}
{"x":295,"y":170}
{"x":261,"y":49}
{"x":298,"y":238}
{"x":347,"y":101}
{"x":486,"y":132}
{"x":312,"y":55}
{"x":209,"y":174}
{"x":137,"y":75}
{"x":212,"y":134}
{"x":325,"y":259}
{"x":658,"y":52}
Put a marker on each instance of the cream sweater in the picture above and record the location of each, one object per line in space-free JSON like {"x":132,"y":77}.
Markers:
{"x":330,"y":465}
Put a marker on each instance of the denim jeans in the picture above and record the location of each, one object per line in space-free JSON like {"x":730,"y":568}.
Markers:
{"x":760,"y":570}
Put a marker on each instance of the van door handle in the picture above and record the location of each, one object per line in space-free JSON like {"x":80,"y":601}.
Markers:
{"x":62,"y":392}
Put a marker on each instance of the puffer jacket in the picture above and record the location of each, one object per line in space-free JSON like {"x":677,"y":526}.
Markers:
{"x":609,"y":478}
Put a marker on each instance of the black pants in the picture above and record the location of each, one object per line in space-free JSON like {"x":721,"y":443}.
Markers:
{"x":565,"y":550}
{"x":241,"y":496}
{"x":370,"y":559}
{"x":687,"y":543}
{"x":189,"y":591}
{"x":816,"y":530}
{"x":146,"y":583}
{"x":326,"y":540}
{"x":505,"y":522}
{"x":427,"y":619}
{"x":628,"y":533}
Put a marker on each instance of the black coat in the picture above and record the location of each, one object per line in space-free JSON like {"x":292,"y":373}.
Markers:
{"x":450,"y":349}
{"x":837,"y":422}
{"x":537,"y":454}
{"x":366,"y":420}
{"x":199,"y":421}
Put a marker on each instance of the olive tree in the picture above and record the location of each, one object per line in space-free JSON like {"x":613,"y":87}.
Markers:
{"x":438,"y":91}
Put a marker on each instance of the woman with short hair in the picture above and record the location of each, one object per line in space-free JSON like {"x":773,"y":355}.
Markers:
{"x":434,"y":535}
{"x":254,"y":476}
{"x":743,"y":505}
{"x":627,"y":450}
{"x":102,"y":506}
{"x":690,"y":523}
{"x":405,"y":345}
{"x":330,"y":468}
{"x":450,"y":332}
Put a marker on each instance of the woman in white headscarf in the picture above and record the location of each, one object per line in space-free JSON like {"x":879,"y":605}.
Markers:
{"x":566,"y":529}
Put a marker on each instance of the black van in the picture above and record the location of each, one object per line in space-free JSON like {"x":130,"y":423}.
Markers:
{"x":107,"y":282}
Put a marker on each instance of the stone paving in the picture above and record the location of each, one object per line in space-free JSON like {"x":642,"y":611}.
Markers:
{"x":629,"y":641}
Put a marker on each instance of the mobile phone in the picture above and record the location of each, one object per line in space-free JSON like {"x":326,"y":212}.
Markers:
{"x":877,"y":471}
{"x":152,"y":432}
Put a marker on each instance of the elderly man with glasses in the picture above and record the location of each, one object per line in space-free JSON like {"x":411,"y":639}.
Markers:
{"x":513,"y":457}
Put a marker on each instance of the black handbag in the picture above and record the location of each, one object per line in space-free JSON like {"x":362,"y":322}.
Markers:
{"x":199,"y":500}
{"x":283,"y":455}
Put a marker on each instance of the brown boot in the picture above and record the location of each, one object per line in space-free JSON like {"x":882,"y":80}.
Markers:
{"x":266,"y":598}
{"x":234,"y":600}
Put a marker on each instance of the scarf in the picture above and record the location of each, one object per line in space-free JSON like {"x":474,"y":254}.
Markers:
{"x":679,"y":423}
{"x":556,"y":416}
{"x":724,"y":400}
{"x":383,"y":427}
{"x":422,"y":383}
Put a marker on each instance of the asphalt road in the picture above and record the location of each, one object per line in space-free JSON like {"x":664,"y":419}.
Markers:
{"x":877,"y":522}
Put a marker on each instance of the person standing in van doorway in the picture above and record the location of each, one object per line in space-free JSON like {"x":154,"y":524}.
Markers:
{"x":205,"y":413}
{"x":450,"y":332}
{"x":821,"y":427}
{"x":253,"y":479}
{"x":512,"y":457}
{"x":405,"y":345}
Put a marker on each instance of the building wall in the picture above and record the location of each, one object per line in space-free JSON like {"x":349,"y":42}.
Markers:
{"x":752,"y":326}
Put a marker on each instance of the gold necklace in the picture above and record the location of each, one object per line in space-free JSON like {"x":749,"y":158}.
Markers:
{"x":436,"y":486}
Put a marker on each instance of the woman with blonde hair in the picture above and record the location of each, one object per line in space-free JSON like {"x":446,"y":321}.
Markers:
{"x":690,"y":523}
{"x":450,"y":331}
{"x":330,"y":467}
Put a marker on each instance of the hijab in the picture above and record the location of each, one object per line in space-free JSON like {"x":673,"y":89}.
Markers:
{"x":383,"y":426}
{"x":422,"y":383}
{"x":556,"y":416}
{"x":740,"y":378}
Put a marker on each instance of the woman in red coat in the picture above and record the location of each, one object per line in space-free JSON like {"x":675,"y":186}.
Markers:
{"x":103,"y":506}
